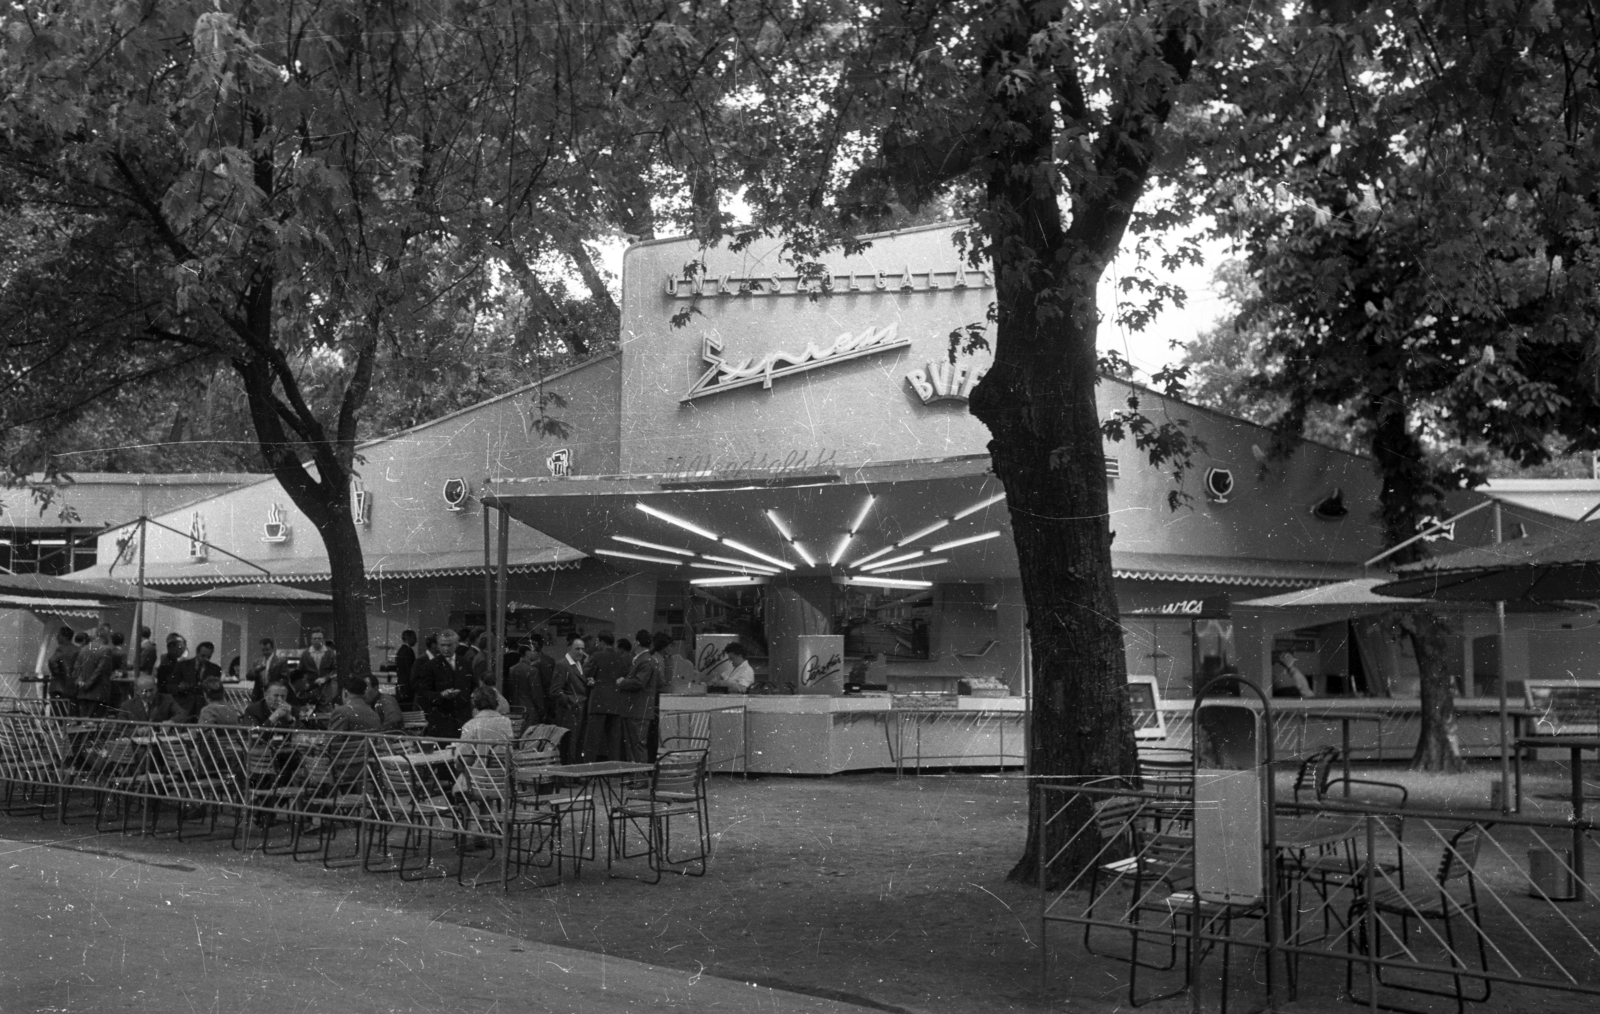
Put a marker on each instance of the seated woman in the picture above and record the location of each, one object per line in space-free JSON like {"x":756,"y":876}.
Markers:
{"x":217,"y":710}
{"x":486,"y":726}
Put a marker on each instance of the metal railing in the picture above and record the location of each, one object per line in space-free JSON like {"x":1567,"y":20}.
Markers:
{"x":1405,"y":900}
{"x":389,"y":803}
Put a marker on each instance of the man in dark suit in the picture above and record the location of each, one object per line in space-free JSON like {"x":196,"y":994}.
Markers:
{"x":638,"y":688}
{"x":444,"y":685}
{"x":60,"y":666}
{"x":269,"y":668}
{"x":522,"y":686}
{"x":189,"y":675}
{"x":565,"y":698}
{"x":148,"y":704}
{"x":405,"y":664}
{"x":91,"y":674}
{"x":602,"y":730}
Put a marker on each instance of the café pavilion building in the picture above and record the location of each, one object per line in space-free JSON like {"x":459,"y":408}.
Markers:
{"x":796,"y":468}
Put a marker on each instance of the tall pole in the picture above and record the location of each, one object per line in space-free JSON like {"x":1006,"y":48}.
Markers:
{"x":488,"y":570}
{"x":138,"y":605}
{"x":496,"y":660}
{"x":1505,"y":722}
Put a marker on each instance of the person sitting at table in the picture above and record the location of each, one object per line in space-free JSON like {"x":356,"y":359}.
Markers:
{"x":354,"y":714}
{"x":390,"y":716}
{"x":148,"y":704}
{"x":218,"y":710}
{"x":190,"y":674}
{"x":273,"y":710}
{"x":487,"y":726}
{"x":444,"y":685}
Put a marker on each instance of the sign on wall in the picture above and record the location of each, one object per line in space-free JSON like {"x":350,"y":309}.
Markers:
{"x":945,"y":381}
{"x":826,"y":282}
{"x":725,"y":375}
{"x":277,"y":527}
{"x":360,"y":502}
{"x":559,"y":462}
{"x":198,"y":550}
{"x":455,"y":493}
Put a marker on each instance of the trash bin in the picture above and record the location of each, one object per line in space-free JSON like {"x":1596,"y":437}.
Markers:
{"x":1550,"y":874}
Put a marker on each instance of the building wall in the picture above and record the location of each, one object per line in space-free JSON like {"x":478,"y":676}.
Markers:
{"x":405,"y":476}
{"x":866,"y":410}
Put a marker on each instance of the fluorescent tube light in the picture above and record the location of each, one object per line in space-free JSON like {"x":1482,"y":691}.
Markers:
{"x":798,"y":548}
{"x":838,"y":554}
{"x":753,"y":568}
{"x":910,"y":566}
{"x":862,"y":517}
{"x":653,"y":545}
{"x":919,"y":533}
{"x":639,"y":556}
{"x":741,"y":564}
{"x":969,"y":540}
{"x":886,"y":582}
{"x":873,"y":555}
{"x":687,"y":526}
{"x":725,"y":582}
{"x":903,"y":557}
{"x":758,"y":554}
{"x":980,"y":505}
{"x":777,"y":523}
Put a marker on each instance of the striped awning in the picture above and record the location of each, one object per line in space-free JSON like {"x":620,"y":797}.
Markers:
{"x":79,"y":608}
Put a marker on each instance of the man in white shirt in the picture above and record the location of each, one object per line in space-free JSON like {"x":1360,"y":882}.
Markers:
{"x":738,"y":679}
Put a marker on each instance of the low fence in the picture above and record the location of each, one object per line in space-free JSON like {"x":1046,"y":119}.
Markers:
{"x":1378,"y":730}
{"x":389,"y":803}
{"x":1364,"y":902}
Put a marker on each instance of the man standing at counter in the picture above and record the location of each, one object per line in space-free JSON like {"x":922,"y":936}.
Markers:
{"x":444,"y":686}
{"x":566,"y":697}
{"x":602,"y":729}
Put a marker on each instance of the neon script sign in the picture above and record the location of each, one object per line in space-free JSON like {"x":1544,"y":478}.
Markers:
{"x":827,"y":282}
{"x":725,"y":375}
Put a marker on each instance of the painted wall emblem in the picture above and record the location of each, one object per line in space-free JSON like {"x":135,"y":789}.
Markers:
{"x":360,"y":503}
{"x":944,"y":381}
{"x":560,"y":462}
{"x":277,"y":527}
{"x":1219,"y":484}
{"x":198,"y":550}
{"x":455,"y":493}
{"x":824,"y":282}
{"x":725,"y":375}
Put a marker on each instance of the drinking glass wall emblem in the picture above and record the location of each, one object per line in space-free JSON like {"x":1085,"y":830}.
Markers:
{"x":360,"y":503}
{"x":559,"y":462}
{"x":455,"y":493}
{"x":198,"y":550}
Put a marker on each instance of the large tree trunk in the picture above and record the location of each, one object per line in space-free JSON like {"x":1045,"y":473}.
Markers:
{"x":1038,"y":400}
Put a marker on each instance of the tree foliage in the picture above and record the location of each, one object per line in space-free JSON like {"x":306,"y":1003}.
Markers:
{"x":1422,"y":266}
{"x":292,"y":193}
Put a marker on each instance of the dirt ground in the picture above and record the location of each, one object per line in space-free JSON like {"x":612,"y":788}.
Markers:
{"x":884,"y":892}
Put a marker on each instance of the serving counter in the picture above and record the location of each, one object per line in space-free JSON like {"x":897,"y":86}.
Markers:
{"x":816,"y":735}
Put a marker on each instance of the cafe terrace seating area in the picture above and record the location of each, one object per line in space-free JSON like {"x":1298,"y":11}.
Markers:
{"x":416,"y":807}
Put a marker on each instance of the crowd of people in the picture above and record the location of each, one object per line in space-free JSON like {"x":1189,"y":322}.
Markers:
{"x":607,"y":698}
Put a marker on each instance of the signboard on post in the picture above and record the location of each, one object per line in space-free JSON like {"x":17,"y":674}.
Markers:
{"x":821,"y":665}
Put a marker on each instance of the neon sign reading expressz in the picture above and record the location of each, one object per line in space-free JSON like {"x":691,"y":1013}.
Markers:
{"x":725,"y":375}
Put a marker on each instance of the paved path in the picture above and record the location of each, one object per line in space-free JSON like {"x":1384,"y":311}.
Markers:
{"x":84,"y":930}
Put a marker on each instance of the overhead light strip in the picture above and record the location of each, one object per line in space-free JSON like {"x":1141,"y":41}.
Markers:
{"x":980,"y":505}
{"x":885,"y":582}
{"x":969,"y":540}
{"x":910,"y":566}
{"x":725,"y":582}
{"x":690,"y":526}
{"x":903,"y":557}
{"x":653,"y":545}
{"x":788,"y":536}
{"x":855,"y":526}
{"x":750,"y":568}
{"x":639,"y":556}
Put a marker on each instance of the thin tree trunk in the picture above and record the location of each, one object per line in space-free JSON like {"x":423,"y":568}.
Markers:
{"x":1439,"y":739}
